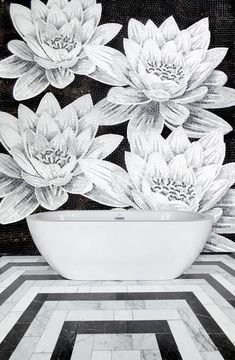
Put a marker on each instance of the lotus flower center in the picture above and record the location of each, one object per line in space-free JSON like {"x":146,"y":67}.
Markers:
{"x":54,"y":156}
{"x":165,"y":71}
{"x":174,"y":190}
{"x":62,"y":42}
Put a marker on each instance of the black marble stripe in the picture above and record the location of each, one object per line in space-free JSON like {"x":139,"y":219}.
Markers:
{"x":21,"y":279}
{"x":65,"y":343}
{"x":11,"y":264}
{"x":218,"y":263}
{"x":230,"y":298}
{"x":209,"y":324}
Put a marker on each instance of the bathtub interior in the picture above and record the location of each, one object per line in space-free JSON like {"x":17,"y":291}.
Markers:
{"x":115,"y":215}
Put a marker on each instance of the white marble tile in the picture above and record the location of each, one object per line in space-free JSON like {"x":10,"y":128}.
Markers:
{"x":123,"y":315}
{"x":146,"y":288}
{"x":50,"y":335}
{"x":150,"y":355}
{"x":21,"y":290}
{"x":183,"y":288}
{"x":7,"y":273}
{"x":108,"y":289}
{"x":126,"y":355}
{"x":144,"y":342}
{"x":102,"y":355}
{"x":5,"y":308}
{"x":41,"y":320}
{"x":25,"y":348}
{"x":135,"y":304}
{"x":112,"y":342}
{"x":8,"y":322}
{"x":27,"y":299}
{"x":82,"y":315}
{"x":196,"y":330}
{"x":84,"y":289}
{"x":222,"y":320}
{"x":78,"y":305}
{"x":83,"y":347}
{"x":216,"y":297}
{"x":111,"y":305}
{"x":59,"y":289}
{"x":41,"y":356}
{"x":211,"y":355}
{"x":230,"y":287}
{"x":11,"y":278}
{"x":168,"y":314}
{"x":165,"y":304}
{"x":119,"y":282}
{"x":230,"y":313}
{"x":203,"y":297}
{"x":230,"y":263}
{"x":186,"y":346}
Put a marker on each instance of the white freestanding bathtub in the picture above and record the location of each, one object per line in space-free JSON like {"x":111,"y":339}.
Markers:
{"x":119,"y":245}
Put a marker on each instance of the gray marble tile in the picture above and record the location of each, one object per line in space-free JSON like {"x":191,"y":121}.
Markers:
{"x":25,"y":348}
{"x":166,"y":304}
{"x":144,"y":342}
{"x":41,"y":320}
{"x":113,"y":342}
{"x":150,"y":355}
{"x":135,"y":304}
{"x":83,"y":347}
{"x":111,"y":305}
{"x":196,"y":331}
{"x":78,"y":305}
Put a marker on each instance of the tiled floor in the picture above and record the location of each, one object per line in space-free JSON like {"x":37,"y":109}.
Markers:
{"x":43,"y":316}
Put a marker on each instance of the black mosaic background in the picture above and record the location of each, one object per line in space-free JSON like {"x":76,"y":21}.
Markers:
{"x":15,"y":238}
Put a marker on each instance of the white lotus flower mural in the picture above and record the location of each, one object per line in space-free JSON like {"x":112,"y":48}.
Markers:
{"x":170,"y":174}
{"x":45,"y":150}
{"x":167,"y":76}
{"x":52,"y":47}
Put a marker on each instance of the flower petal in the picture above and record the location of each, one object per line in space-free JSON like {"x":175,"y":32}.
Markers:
{"x":103,"y":145}
{"x":30,"y":84}
{"x":83,"y":105}
{"x":83,"y":142}
{"x":169,"y":28}
{"x":102,"y":56}
{"x":157,"y":167}
{"x":22,"y":19}
{"x":110,"y":178}
{"x":151,"y":31}
{"x":133,"y":52}
{"x":205,"y":176}
{"x":178,"y":167}
{"x":73,"y":9}
{"x":151,"y":52}
{"x":135,"y":31}
{"x":178,"y":140}
{"x":8,"y":184}
{"x":136,"y":168}
{"x":9,"y":167}
{"x":228,"y":172}
{"x":215,"y":56}
{"x":48,"y":104}
{"x":47,"y":126}
{"x":194,"y":155}
{"x":201,"y":121}
{"x":56,"y":16}
{"x":39,"y":10}
{"x":218,"y":243}
{"x":83,"y":67}
{"x":127,"y":96}
{"x":221,"y":97}
{"x":192,"y":96}
{"x":174,"y":114}
{"x":110,"y":114}
{"x":227,"y":203}
{"x":214,"y":193}
{"x":199,"y":27}
{"x":200,"y":74}
{"x":14,"y":67}
{"x":101,"y":197}
{"x":183,"y":41}
{"x":88,"y":29}
{"x":101,"y":76}
{"x":105,"y":33}
{"x":217,"y":78}
{"x":9,"y":131}
{"x":51,"y":197}
{"x":157,"y":95}
{"x":79,"y":184}
{"x":23,"y":162}
{"x":17,"y":205}
{"x":60,"y":77}
{"x":20,"y":49}
{"x":35,"y":181}
{"x":27,"y":118}
{"x":93,"y":12}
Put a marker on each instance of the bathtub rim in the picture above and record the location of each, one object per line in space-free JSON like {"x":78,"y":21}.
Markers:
{"x":38,"y":217}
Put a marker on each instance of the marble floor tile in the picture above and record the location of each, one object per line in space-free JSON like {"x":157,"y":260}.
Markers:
{"x":83,"y":347}
{"x":25,"y":348}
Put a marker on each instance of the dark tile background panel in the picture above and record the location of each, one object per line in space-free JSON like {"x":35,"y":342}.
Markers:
{"x":15,"y":238}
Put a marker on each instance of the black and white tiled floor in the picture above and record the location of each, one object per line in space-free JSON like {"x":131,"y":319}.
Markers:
{"x":43,"y":316}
